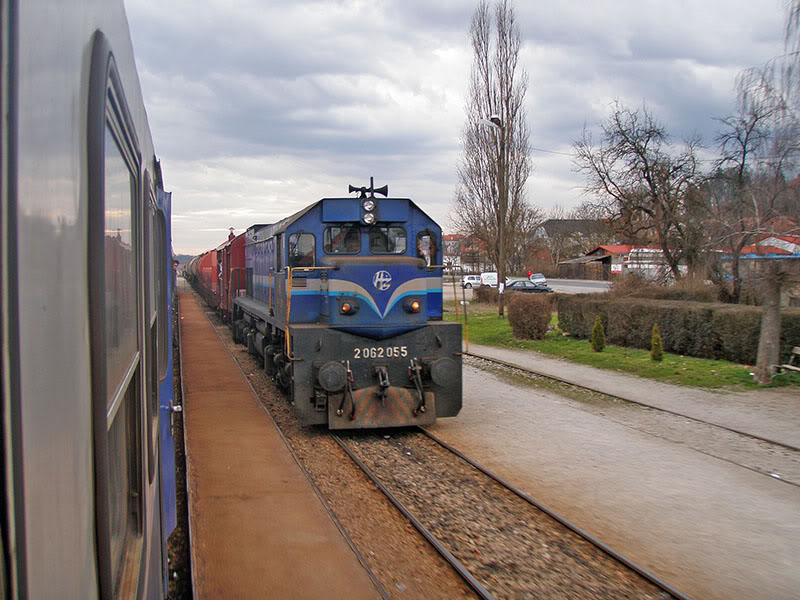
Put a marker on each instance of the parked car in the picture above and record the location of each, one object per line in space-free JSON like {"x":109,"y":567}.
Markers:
{"x":538,"y":278}
{"x":470,"y":281}
{"x":529,"y":287}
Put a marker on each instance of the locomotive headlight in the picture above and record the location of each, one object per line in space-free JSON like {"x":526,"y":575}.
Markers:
{"x":369,"y":205}
{"x":348,"y":308}
{"x":369,"y":218}
{"x":412,"y":306}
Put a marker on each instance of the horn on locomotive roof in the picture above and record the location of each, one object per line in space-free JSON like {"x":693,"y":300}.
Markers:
{"x":372,"y":190}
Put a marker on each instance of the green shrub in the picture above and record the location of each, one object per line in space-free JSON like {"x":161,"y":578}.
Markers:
{"x":486,"y":294}
{"x":702,"y":329}
{"x":656,"y":347}
{"x":529,"y":315}
{"x":598,"y":335}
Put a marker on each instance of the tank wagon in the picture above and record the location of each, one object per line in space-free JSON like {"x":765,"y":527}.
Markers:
{"x":343,"y":301}
{"x":88,"y":487}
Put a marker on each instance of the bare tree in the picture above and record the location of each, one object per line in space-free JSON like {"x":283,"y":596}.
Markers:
{"x":762,"y":190}
{"x":490,"y":201}
{"x":748,"y":185}
{"x":643,"y":185}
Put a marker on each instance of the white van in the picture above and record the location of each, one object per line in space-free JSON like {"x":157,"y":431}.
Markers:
{"x":489,"y":279}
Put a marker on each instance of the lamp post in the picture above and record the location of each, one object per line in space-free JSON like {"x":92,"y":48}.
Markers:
{"x":495,"y":122}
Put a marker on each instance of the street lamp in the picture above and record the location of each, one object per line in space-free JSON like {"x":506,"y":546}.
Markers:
{"x":495,"y":122}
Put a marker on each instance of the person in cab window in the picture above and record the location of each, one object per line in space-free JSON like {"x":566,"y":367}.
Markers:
{"x":426,"y":249}
{"x":352,"y":241}
{"x":378,"y":241}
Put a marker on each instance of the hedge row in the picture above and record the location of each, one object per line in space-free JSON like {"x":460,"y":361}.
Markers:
{"x":706,"y":330}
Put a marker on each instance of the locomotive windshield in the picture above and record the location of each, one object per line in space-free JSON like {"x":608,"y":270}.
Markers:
{"x":387,"y":240}
{"x":344,"y":239}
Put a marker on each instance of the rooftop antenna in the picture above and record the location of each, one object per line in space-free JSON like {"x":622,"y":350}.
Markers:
{"x":384,"y":191}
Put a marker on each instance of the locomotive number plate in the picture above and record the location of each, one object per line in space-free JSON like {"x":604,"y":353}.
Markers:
{"x":380,"y":352}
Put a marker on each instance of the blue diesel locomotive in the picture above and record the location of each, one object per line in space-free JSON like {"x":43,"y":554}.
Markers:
{"x":344,"y":304}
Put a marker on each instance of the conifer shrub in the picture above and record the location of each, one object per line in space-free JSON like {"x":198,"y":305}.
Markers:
{"x":656,"y":347}
{"x":529,"y":315}
{"x":598,"y":335}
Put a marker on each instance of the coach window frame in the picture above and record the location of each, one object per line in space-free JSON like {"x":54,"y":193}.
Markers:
{"x":109,"y":118}
{"x":152,"y":321}
{"x":163,"y":273}
{"x":387,"y":228}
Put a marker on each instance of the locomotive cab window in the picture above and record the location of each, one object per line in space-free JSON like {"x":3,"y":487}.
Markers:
{"x":345,"y":239}
{"x":387,"y":240}
{"x":426,"y":247}
{"x":302,"y":247}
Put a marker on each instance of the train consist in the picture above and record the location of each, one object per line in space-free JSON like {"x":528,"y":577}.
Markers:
{"x":87,"y":392}
{"x":343,"y":301}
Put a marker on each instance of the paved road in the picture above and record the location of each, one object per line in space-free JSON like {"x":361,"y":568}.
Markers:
{"x":566,"y":286}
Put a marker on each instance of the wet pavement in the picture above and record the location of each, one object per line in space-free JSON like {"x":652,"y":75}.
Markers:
{"x":773,"y":414}
{"x":709,"y":527}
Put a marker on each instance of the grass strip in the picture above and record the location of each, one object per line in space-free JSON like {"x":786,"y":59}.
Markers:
{"x":487,"y":329}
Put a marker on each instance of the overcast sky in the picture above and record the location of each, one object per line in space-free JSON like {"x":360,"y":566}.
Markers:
{"x":260,"y":108}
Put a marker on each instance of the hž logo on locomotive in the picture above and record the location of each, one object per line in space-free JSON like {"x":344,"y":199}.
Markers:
{"x":382,"y":280}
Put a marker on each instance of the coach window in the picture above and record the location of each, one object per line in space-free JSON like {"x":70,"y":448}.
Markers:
{"x":387,"y":240}
{"x":162,"y":282}
{"x":123,"y":382}
{"x":302,"y":247}
{"x":115,"y":250}
{"x":344,"y":239}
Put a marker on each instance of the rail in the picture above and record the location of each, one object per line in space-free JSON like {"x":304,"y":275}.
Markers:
{"x":437,"y":545}
{"x":565,"y":522}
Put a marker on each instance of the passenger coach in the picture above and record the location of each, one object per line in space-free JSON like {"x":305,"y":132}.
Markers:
{"x":87,"y":393}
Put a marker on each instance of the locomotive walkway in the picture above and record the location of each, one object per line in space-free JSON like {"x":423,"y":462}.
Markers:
{"x":257,"y":528}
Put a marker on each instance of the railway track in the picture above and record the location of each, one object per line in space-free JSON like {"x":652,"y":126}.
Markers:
{"x":523,"y":533}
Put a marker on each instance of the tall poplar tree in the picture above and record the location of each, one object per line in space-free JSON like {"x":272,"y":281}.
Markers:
{"x":490,"y":202}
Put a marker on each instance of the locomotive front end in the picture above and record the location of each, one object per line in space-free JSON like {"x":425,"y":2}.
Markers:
{"x":344,"y":304}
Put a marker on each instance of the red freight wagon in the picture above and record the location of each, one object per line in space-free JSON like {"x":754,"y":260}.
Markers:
{"x":208,"y":277}
{"x":232,"y":280}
